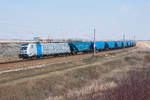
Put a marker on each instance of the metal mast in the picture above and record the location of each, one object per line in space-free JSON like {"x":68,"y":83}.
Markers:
{"x":94,"y":42}
{"x":123,"y":37}
{"x":134,"y":37}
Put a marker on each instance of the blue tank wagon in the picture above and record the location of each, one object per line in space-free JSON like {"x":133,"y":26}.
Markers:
{"x":99,"y":45}
{"x":125,"y":44}
{"x":129,"y":43}
{"x":133,"y":43}
{"x":110,"y":45}
{"x":80,"y":47}
{"x":119,"y":44}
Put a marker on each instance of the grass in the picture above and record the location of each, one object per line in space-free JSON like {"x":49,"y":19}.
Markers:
{"x":133,"y":86}
{"x":86,"y":82}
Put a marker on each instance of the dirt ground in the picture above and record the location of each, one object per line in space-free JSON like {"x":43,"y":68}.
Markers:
{"x":70,"y":80}
{"x":144,"y":44}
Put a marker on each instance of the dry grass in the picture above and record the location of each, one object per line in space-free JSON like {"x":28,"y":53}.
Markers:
{"x":51,"y":84}
{"x":85,"y":82}
{"x":133,"y":86}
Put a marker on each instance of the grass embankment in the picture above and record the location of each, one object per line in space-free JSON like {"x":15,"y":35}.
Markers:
{"x":88,"y":80}
{"x":133,"y":85}
{"x":51,"y":84}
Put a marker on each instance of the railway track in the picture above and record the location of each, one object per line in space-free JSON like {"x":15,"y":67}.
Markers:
{"x":10,"y":77}
{"x":24,"y":60}
{"x":33,"y":62}
{"x":7,"y":62}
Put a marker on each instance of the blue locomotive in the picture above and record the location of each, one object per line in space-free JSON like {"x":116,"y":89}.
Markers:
{"x":30,"y":50}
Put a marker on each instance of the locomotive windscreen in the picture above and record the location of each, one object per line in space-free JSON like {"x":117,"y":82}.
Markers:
{"x":24,"y":46}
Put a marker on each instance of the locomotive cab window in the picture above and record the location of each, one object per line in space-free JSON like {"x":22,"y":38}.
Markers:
{"x":24,"y":47}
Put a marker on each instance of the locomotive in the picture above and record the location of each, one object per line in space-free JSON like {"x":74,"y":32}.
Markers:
{"x":30,"y":50}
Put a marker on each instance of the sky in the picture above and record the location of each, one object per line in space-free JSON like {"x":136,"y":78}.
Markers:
{"x":76,"y":19}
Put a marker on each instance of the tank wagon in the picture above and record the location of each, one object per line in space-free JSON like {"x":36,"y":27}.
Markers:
{"x":99,"y":45}
{"x":133,"y":43}
{"x":31,"y":50}
{"x":110,"y":45}
{"x":129,"y":43}
{"x":118,"y":44}
{"x":125,"y":44}
{"x":76,"y":47}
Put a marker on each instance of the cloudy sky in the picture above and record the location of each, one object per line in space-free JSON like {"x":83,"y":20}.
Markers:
{"x":25,"y":19}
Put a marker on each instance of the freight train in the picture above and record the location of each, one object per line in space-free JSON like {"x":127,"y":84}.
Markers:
{"x":37,"y":50}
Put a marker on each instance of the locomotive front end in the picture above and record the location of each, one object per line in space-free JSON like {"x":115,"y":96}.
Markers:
{"x":23,"y":51}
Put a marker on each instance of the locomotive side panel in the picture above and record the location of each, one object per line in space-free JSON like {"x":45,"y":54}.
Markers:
{"x":39,"y":49}
{"x":54,"y":48}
